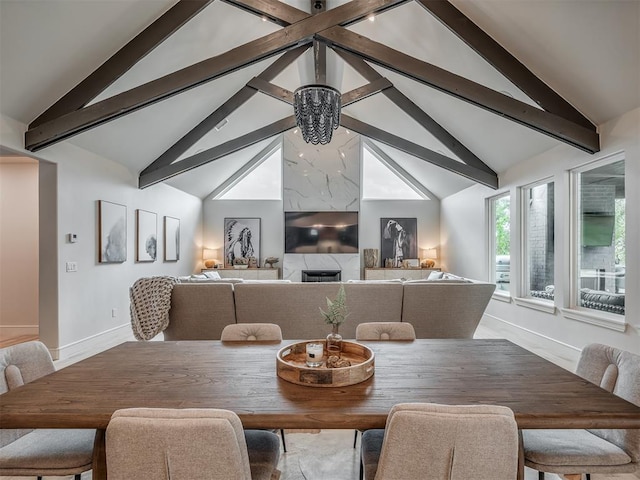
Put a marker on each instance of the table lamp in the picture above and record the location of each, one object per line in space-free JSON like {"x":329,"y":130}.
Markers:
{"x":210,"y":257}
{"x":429,"y":256}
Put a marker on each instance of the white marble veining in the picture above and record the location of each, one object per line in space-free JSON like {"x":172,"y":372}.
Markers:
{"x":321,"y":177}
{"x":294,"y":263}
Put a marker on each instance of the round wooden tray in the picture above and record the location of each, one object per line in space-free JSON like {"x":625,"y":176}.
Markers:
{"x":291,"y":366}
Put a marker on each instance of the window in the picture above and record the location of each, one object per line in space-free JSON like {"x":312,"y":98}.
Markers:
{"x":383,"y":179}
{"x":600,"y":237}
{"x":261,"y":180}
{"x":538,"y":240}
{"x":500,"y":242}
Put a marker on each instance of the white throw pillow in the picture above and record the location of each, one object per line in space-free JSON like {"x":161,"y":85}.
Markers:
{"x":435,"y":275}
{"x":214,"y":275}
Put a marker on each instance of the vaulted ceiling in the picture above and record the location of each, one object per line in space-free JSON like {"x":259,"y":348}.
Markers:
{"x":454,"y":92}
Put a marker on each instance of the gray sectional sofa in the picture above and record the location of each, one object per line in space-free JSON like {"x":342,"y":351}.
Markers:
{"x":437,"y":309}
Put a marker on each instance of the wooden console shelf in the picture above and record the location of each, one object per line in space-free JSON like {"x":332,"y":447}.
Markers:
{"x":247,"y":273}
{"x":393,"y":273}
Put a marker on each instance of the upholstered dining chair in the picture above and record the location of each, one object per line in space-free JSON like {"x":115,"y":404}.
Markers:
{"x":247,"y":332}
{"x":426,"y":441}
{"x":383,"y":331}
{"x":243,"y":332}
{"x":183,"y":444}
{"x":28,"y":453}
{"x":574,"y":452}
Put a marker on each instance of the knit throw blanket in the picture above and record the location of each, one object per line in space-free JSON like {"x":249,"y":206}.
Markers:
{"x":150,"y":304}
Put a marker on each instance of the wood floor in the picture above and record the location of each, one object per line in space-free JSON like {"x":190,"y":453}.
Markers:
{"x":329,"y":454}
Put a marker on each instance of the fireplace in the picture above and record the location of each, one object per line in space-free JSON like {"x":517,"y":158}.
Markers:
{"x":321,"y":275}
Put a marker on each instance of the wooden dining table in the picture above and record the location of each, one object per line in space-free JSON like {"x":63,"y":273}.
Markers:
{"x":241,"y":376}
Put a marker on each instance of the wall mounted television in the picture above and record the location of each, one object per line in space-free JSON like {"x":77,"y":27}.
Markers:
{"x":321,"y":232}
{"x":597,"y":230}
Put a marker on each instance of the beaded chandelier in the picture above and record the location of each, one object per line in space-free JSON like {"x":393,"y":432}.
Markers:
{"x":317,"y":111}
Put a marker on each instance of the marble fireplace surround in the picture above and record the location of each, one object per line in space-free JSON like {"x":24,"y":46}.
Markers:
{"x":347,"y":263}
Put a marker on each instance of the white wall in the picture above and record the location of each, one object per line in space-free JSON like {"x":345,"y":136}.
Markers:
{"x":86,"y":298}
{"x":18,"y":247}
{"x":464,"y":238}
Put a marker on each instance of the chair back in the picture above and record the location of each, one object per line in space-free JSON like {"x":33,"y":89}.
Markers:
{"x":173,"y":444}
{"x":385,"y":331}
{"x":242,"y":332}
{"x":20,"y":364}
{"x":618,"y":372}
{"x":432,"y":442}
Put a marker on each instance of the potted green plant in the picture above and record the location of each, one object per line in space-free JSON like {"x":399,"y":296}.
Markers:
{"x":335,"y":315}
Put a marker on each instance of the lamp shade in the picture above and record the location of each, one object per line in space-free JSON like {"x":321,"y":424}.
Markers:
{"x":208,"y":253}
{"x":429,"y":253}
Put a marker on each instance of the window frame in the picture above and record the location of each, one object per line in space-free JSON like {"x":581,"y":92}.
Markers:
{"x":573,"y":310}
{"x":502,"y":295}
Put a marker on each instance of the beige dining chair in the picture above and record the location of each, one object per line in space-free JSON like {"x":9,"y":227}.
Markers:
{"x":184,"y":444}
{"x":28,"y":453}
{"x":574,"y":452}
{"x":243,"y":332}
{"x":248,"y":332}
{"x":426,"y":441}
{"x":383,"y":331}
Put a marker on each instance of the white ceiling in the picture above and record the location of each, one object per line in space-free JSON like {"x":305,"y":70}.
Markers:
{"x":588,"y":51}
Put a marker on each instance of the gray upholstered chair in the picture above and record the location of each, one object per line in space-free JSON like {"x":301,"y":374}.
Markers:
{"x":38,"y":452}
{"x":242,"y":332}
{"x":248,"y":332}
{"x":592,"y":451}
{"x":425,"y":441}
{"x":385,"y":331}
{"x":162,"y":444}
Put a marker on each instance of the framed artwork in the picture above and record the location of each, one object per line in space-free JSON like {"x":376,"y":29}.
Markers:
{"x":171,"y":239}
{"x":413,"y":262}
{"x":146,"y":236}
{"x":398,"y":240}
{"x":241,"y":239}
{"x":112,"y":232}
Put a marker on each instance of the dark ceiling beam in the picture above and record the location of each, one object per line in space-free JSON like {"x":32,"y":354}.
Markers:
{"x":348,"y":98}
{"x":278,"y":12}
{"x":360,"y":93}
{"x":217,"y":152}
{"x":418,"y":151}
{"x":504,"y":62}
{"x":319,"y":48}
{"x":414,"y":111}
{"x":222,"y":112}
{"x":460,"y":87}
{"x":197,"y":74}
{"x":123,"y":59}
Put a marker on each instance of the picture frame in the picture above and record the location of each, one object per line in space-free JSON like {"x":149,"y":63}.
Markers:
{"x":171,"y":239}
{"x":112,"y":232}
{"x":413,"y":262}
{"x":398,"y":240}
{"x":241,"y":239}
{"x":146,"y":236}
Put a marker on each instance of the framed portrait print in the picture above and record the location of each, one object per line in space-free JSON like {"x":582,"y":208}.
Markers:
{"x":146,"y":236}
{"x":112,"y":232}
{"x":241,"y":239}
{"x":398,"y":240}
{"x":171,"y":239}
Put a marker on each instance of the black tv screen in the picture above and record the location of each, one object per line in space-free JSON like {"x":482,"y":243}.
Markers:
{"x":597,"y":230}
{"x":321,"y":232}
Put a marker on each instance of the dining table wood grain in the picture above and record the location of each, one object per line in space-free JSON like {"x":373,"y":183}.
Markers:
{"x":241,"y":377}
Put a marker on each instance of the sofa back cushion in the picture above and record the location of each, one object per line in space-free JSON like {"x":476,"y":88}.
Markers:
{"x":445,"y":310}
{"x":200,"y":311}
{"x":295,"y":306}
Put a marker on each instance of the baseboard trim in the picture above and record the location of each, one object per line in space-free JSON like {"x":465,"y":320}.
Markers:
{"x":94,"y":343}
{"x":536,"y":341}
{"x":12,"y":331}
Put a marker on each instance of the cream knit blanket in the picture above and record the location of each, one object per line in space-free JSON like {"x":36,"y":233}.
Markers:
{"x":150,"y":304}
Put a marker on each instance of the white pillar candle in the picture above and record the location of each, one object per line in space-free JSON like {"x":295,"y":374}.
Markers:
{"x":314,"y":354}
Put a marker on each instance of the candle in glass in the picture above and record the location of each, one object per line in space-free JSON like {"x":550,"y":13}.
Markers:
{"x":314,"y":354}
